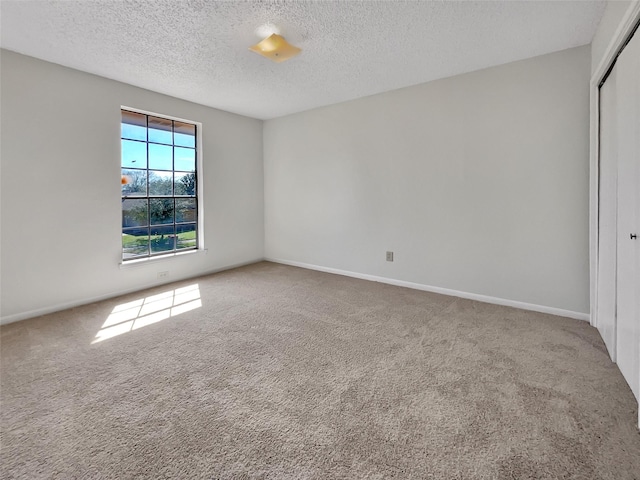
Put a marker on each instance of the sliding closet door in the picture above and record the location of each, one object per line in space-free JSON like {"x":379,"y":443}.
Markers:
{"x":628,"y":213}
{"x":607,"y":236}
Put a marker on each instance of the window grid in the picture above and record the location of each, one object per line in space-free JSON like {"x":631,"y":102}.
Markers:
{"x":175,"y":229}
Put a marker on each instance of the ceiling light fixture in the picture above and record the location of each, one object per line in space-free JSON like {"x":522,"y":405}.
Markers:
{"x":275,"y":48}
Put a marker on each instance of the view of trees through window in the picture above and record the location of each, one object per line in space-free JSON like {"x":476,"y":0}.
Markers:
{"x":159,"y":185}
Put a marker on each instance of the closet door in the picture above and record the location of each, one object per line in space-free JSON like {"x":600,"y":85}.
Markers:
{"x":608,"y":195}
{"x":628,"y":213}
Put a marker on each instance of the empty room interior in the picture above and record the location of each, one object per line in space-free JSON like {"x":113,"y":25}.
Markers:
{"x":320,"y":239}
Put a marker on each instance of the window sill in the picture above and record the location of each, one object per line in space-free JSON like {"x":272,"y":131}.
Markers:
{"x":159,"y":258}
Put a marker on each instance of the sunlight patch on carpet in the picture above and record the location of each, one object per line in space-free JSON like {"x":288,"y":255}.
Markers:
{"x":147,"y":311}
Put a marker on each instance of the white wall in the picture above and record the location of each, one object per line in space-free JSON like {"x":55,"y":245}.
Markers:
{"x":60,"y":238}
{"x":478,"y":183}
{"x":605,"y":33}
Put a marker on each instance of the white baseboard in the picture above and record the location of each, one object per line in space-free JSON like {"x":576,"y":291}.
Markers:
{"x":374,"y":278}
{"x":444,"y":291}
{"x":84,"y":301}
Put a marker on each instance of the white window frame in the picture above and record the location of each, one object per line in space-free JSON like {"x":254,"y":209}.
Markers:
{"x":200,"y":246}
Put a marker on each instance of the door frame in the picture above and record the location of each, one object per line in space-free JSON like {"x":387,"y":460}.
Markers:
{"x":624,"y":30}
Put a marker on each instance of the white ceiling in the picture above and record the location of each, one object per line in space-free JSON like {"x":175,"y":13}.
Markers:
{"x":198,"y":49}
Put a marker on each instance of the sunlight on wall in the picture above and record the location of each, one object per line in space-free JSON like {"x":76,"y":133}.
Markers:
{"x":145,"y":311}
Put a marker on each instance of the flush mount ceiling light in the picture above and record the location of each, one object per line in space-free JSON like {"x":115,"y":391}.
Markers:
{"x":275,"y":48}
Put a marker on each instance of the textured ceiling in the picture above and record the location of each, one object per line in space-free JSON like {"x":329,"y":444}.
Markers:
{"x":198,"y":49}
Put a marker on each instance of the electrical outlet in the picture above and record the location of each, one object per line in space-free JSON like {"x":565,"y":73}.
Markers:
{"x":389,"y":256}
{"x":162,"y":274}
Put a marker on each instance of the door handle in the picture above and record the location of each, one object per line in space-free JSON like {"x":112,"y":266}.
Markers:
{"x":633,"y":236}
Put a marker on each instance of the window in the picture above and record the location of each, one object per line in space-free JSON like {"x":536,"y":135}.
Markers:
{"x":159,"y":185}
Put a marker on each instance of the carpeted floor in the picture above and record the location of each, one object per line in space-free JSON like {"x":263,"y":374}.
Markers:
{"x":270,"y":371}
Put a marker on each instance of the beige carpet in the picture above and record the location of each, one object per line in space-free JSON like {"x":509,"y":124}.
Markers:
{"x":287,"y":373}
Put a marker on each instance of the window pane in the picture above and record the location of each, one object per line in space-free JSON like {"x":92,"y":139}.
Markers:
{"x":161,"y":210}
{"x":185,"y":159}
{"x":134,"y":212}
{"x":135,"y":242}
{"x":134,"y":183}
{"x":160,"y":157}
{"x":134,"y":154}
{"x":185,"y":183}
{"x":160,"y":130}
{"x":134,"y":126}
{"x":186,"y":210}
{"x":162,"y":239}
{"x":184,"y":134}
{"x":186,"y":236}
{"x":160,"y":183}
